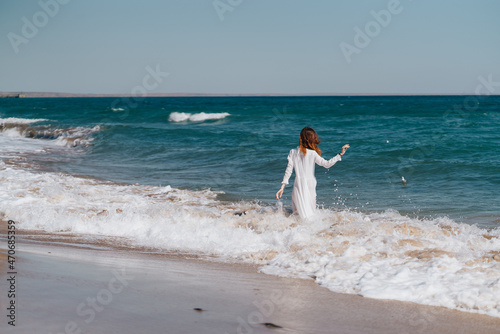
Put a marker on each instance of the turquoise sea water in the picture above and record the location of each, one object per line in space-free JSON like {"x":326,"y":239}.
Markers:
{"x":198,"y":176}
{"x":447,"y":148}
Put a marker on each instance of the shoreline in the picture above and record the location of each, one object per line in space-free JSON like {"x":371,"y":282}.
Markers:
{"x":62,"y":286}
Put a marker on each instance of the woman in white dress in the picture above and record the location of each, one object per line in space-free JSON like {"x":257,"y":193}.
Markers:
{"x":303,"y":160}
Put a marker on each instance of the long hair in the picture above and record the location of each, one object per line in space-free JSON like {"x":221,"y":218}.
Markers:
{"x":309,"y":140}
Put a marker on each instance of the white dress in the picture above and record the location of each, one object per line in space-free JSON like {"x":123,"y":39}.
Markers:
{"x":304,"y":186}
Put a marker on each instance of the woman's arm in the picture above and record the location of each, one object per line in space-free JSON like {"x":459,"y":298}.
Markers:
{"x":280,"y":192}
{"x":289,"y":168}
{"x":286,"y":177}
{"x":329,"y":163}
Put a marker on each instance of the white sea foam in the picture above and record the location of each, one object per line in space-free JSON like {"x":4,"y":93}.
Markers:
{"x":14,"y":120}
{"x":379,"y":255}
{"x":68,"y":137}
{"x":198,"y":117}
{"x":77,"y":136}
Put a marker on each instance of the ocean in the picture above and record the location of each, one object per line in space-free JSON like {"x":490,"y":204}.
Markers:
{"x":199,"y":175}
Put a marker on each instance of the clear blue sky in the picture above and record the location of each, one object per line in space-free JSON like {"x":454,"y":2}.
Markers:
{"x":261,"y":46}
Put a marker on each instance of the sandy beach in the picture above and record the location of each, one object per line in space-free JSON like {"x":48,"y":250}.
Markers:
{"x":98,"y":288}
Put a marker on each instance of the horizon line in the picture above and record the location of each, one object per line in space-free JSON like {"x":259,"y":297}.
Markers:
{"x":122,"y":95}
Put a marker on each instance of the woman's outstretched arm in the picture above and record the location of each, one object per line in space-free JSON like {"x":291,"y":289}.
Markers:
{"x":329,"y":163}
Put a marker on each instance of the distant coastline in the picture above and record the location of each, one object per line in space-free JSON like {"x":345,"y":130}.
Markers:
{"x":54,"y":94}
{"x":12,"y":95}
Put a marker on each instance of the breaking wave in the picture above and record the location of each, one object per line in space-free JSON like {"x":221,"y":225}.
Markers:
{"x":68,"y":137}
{"x":378,"y":255}
{"x":198,"y":117}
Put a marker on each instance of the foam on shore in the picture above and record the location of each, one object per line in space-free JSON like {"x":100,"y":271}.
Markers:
{"x":379,"y":255}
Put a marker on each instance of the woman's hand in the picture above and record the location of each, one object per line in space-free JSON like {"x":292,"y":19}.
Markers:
{"x":344,"y":148}
{"x":280,"y":192}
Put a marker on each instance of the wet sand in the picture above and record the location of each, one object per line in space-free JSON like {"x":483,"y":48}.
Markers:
{"x":79,"y":288}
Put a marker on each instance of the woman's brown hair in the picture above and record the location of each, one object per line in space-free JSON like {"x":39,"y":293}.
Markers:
{"x":309,"y":140}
